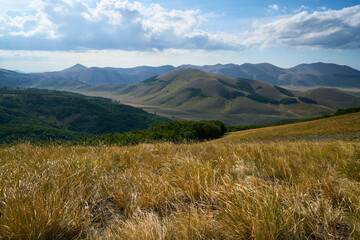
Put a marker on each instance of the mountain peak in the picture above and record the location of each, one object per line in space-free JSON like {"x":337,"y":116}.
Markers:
{"x":76,"y":67}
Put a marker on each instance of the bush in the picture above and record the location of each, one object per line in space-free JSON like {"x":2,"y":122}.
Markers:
{"x":284,"y":91}
{"x":260,"y":98}
{"x":288,"y":101}
{"x":178,"y":131}
{"x":307,"y":100}
{"x":346,"y":111}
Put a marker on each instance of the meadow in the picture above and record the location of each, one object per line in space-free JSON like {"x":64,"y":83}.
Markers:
{"x":297,"y":181}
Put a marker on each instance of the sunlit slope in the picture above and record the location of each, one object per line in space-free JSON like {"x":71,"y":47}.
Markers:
{"x":339,"y":127}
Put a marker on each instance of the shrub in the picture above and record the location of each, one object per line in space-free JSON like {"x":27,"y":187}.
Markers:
{"x":284,"y":91}
{"x":288,"y":101}
{"x":307,"y":100}
{"x":263,"y":99}
{"x":178,"y":131}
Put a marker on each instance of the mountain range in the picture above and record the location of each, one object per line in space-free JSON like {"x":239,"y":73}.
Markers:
{"x":303,"y":75}
{"x":107,"y":75}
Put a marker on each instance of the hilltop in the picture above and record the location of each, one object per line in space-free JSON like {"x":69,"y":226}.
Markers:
{"x":194,"y":94}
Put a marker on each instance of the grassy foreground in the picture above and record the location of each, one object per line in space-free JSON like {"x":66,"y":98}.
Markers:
{"x":298,"y":181}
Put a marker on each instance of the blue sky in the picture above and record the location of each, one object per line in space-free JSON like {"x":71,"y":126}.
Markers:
{"x":47,"y":35}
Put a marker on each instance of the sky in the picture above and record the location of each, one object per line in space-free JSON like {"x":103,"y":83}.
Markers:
{"x":48,"y":35}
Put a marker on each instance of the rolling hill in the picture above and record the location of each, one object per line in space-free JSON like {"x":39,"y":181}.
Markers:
{"x":43,"y":115}
{"x":194,"y":94}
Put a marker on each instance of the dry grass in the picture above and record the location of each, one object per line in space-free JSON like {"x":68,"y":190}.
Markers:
{"x":222,"y":189}
{"x":345,"y":127}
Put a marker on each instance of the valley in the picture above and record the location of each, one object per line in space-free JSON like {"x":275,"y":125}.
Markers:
{"x":235,"y":94}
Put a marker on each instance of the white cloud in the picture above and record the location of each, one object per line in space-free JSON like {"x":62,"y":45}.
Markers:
{"x":137,"y":26}
{"x":109,"y":24}
{"x":323,"y":8}
{"x":335,"y":29}
{"x":301,"y":8}
{"x":274,"y":7}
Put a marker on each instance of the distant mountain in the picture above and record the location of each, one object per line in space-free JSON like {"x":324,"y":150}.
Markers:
{"x":195,"y":94}
{"x":43,"y":115}
{"x":101,"y":76}
{"x":14,"y":79}
{"x":327,"y":74}
{"x":304,"y":75}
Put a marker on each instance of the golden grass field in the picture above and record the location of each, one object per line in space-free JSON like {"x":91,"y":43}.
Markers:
{"x":299,"y":181}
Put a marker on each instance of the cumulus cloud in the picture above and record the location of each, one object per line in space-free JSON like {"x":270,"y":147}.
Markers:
{"x":108,"y":24}
{"x":136,"y":26}
{"x":274,"y":7}
{"x":335,"y":29}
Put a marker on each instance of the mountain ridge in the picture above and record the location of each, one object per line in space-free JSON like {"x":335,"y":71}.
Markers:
{"x":303,"y":75}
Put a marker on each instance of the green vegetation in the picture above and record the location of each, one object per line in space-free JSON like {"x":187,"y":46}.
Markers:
{"x":192,"y":92}
{"x":34,"y":114}
{"x":288,"y":101}
{"x":307,"y":100}
{"x":228,"y":94}
{"x":179,"y":131}
{"x":10,"y":133}
{"x":245,"y":86}
{"x":343,"y":111}
{"x":262,"y":99}
{"x":240,"y":85}
{"x":284,"y":91}
{"x":150,"y":80}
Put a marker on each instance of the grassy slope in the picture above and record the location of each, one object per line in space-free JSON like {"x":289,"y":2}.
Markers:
{"x":342,"y":127}
{"x":193,"y":94}
{"x":223,"y":189}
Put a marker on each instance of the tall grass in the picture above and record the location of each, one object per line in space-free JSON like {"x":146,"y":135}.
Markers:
{"x":214,"y":190}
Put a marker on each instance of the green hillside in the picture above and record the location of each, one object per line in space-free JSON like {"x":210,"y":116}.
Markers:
{"x":43,"y":115}
{"x":193,"y":94}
